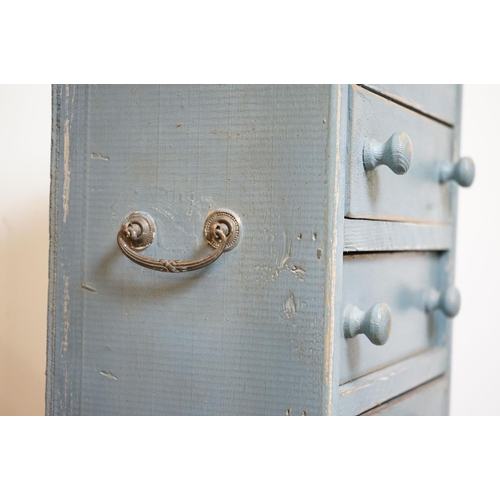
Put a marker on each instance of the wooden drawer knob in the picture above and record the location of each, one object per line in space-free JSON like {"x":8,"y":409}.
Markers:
{"x":374,"y":323}
{"x":396,"y":153}
{"x":448,"y":301}
{"x":462,"y":172}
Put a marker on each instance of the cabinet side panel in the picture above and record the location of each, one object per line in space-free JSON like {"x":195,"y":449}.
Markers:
{"x":245,"y":335}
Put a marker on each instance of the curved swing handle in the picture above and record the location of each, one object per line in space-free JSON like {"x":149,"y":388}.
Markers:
{"x":137,"y":232}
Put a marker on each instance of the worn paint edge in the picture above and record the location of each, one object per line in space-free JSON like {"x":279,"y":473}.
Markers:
{"x":67,"y":170}
{"x":331,"y":232}
{"x":64,"y":335}
{"x":334,"y":250}
{"x":53,"y":246}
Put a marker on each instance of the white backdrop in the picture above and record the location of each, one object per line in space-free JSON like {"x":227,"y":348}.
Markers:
{"x":476,"y":337}
{"x":25,"y":126}
{"x":24,"y":213}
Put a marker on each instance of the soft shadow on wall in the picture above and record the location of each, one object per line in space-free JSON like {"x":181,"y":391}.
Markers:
{"x":25,"y":128}
{"x":475,"y":370}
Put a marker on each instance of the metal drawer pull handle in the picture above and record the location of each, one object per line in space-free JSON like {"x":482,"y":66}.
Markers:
{"x":462,"y":172}
{"x":375,"y":323}
{"x":221,"y":229}
{"x":448,"y":301}
{"x":396,"y":153}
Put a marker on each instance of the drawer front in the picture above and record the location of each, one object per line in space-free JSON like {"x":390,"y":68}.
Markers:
{"x":380,"y":193}
{"x":428,"y":400}
{"x":440,"y":101}
{"x":404,"y":282}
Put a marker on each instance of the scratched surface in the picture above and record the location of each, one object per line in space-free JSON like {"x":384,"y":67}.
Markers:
{"x":243,"y":336}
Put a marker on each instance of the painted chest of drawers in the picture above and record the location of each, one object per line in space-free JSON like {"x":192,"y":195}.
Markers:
{"x":316,"y":223}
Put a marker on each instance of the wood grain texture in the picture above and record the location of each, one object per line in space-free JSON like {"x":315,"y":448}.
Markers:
{"x":245,"y":335}
{"x":437,"y":101}
{"x":377,"y":236}
{"x":417,"y":196}
{"x":372,"y":390}
{"x":68,"y":195}
{"x":427,"y":400}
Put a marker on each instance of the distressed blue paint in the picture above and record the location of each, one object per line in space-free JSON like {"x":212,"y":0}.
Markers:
{"x":260,"y":330}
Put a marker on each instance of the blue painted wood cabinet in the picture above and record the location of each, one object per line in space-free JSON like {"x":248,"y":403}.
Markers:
{"x":317,"y":226}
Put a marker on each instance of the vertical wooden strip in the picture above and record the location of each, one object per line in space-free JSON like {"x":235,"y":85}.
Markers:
{"x":51,"y":309}
{"x":66,"y":250}
{"x":337,"y":155}
{"x":449,"y":257}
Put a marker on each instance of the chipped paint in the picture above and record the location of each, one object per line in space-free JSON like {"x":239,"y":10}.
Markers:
{"x":88,"y":287}
{"x":332,"y":261}
{"x":108,"y":375}
{"x":334,"y":252}
{"x":67,"y":171}
{"x":290,"y":306}
{"x":299,"y":272}
{"x":99,"y":156}
{"x":285,"y":254}
{"x":66,"y":318}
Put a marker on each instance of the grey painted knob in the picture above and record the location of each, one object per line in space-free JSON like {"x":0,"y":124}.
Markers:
{"x":374,"y":323}
{"x":462,"y":172}
{"x":448,"y":301}
{"x":396,"y":153}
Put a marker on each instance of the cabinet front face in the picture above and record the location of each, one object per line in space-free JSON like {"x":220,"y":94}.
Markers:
{"x":416,"y":195}
{"x":244,"y":335}
{"x":403,"y":281}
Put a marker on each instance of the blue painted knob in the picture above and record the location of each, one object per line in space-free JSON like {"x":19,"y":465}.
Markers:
{"x":462,"y":172}
{"x":374,"y":323}
{"x":396,"y":153}
{"x":448,"y":301}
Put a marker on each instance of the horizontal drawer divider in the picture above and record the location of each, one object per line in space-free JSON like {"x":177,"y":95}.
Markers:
{"x":376,"y":388}
{"x":361,"y":235}
{"x":439,"y":383}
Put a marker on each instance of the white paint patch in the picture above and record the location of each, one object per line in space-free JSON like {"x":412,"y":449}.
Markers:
{"x":290,"y":306}
{"x":108,"y":375}
{"x":67,"y":171}
{"x":99,"y":156}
